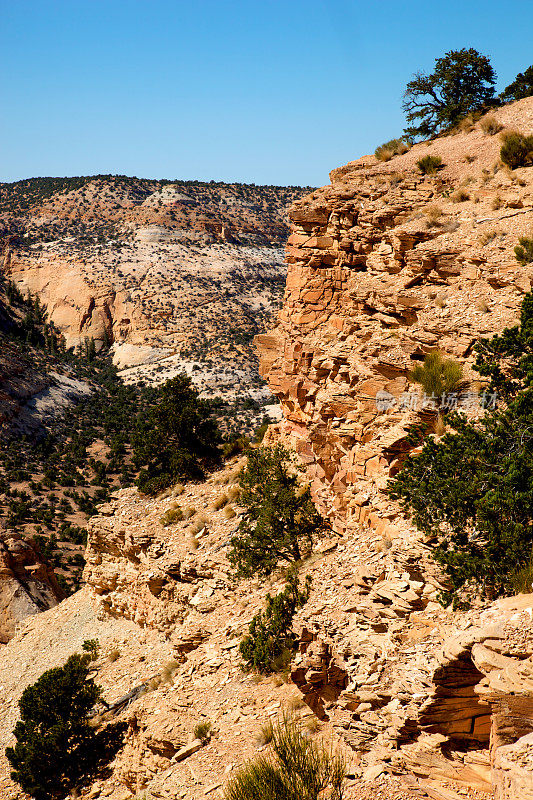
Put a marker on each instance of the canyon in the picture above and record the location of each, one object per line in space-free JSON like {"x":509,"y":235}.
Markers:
{"x":384,"y":265}
{"x":175,"y":277}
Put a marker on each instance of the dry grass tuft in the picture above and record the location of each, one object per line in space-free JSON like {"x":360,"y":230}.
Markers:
{"x":488,"y":236}
{"x":265,"y":734}
{"x":171,"y":516}
{"x":490,"y":125}
{"x":482,"y":305}
{"x":220,"y":502}
{"x":113,"y":656}
{"x":229,"y":512}
{"x":460,"y":196}
{"x":234,"y":493}
{"x":433,"y":213}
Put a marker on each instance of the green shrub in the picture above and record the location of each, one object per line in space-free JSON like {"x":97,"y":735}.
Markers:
{"x":298,"y":768}
{"x":202,"y":731}
{"x":472,"y":491}
{"x":270,"y":642}
{"x":524,"y":251}
{"x":279,"y":519}
{"x":437,"y":375}
{"x":517,"y":150}
{"x":429,"y":164}
{"x":389,"y":149}
{"x":92,"y":648}
{"x":57,"y":748}
{"x":461,"y":83}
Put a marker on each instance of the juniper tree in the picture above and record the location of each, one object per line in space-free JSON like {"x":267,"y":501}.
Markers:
{"x":178,"y":438}
{"x":472,"y":491}
{"x":462,"y":82}
{"x":270,"y":641}
{"x":57,"y":749}
{"x":279,"y":520}
{"x":521,"y":87}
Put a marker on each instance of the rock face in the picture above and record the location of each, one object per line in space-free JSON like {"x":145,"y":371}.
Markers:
{"x":384,"y":266}
{"x":27,"y":584}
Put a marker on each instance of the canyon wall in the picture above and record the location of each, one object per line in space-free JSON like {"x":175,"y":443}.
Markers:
{"x":384,"y":265}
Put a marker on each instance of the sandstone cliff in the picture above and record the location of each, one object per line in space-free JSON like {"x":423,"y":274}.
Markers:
{"x":425,"y":702}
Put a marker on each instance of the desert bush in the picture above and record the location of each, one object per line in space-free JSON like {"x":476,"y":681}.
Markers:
{"x":202,"y":731}
{"x":92,"y":648}
{"x":460,"y":196}
{"x":490,"y":125}
{"x":429,"y":165}
{"x":270,"y":641}
{"x":171,"y":516}
{"x":279,"y":518}
{"x":488,"y":236}
{"x":298,"y":768}
{"x":194,"y":544}
{"x":392,"y":148}
{"x":524,"y":251}
{"x":437,"y":375}
{"x":188,"y":512}
{"x":57,"y":749}
{"x":433,"y":213}
{"x":482,"y":305}
{"x":497,"y":203}
{"x":517,"y":150}
{"x":229,"y":512}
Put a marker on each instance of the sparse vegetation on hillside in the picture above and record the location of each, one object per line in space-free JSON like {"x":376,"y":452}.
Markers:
{"x":57,"y":748}
{"x":437,"y":375}
{"x":280,"y":520}
{"x":462,"y":82}
{"x":472,"y":491}
{"x":524,"y":251}
{"x":298,"y":768}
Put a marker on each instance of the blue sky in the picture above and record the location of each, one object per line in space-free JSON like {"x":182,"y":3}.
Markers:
{"x":265,"y":92}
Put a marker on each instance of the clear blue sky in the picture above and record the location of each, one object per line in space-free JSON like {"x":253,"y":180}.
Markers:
{"x":264,"y":91}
